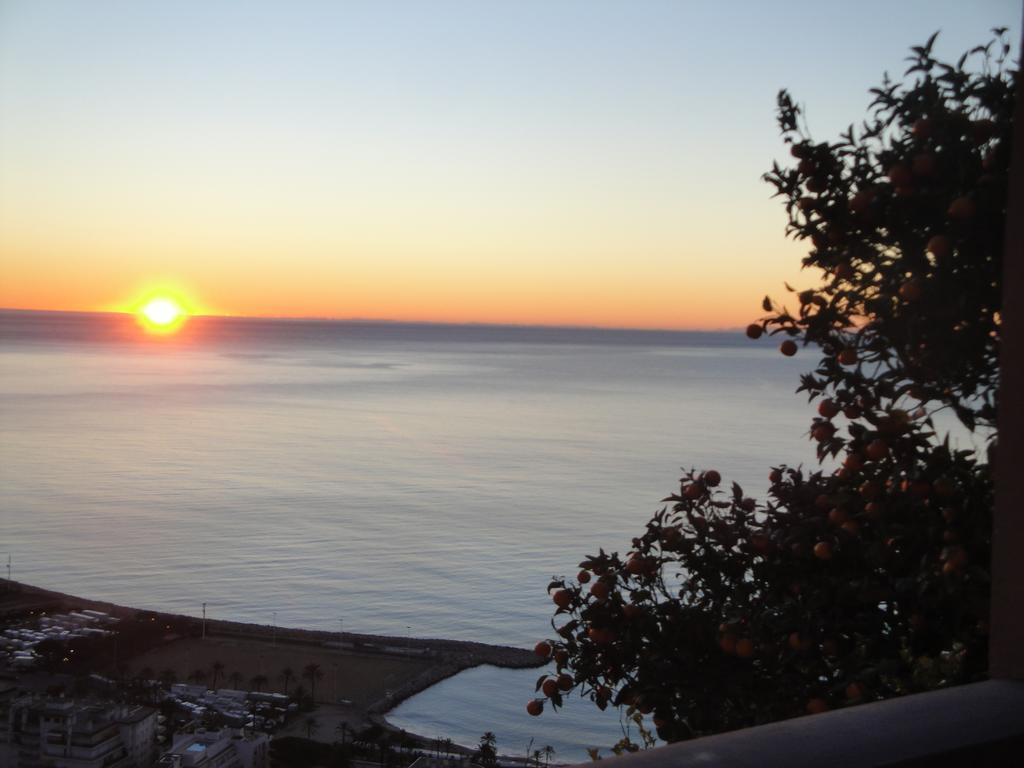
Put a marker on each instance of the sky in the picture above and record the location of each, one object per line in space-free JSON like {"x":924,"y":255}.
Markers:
{"x":555,"y":163}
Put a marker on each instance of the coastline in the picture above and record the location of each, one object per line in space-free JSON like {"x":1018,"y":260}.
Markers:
{"x":412,"y":664}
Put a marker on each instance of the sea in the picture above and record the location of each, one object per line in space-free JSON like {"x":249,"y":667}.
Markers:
{"x":414,"y":480}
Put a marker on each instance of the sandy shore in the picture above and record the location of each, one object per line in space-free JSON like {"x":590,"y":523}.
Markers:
{"x":359,"y":682}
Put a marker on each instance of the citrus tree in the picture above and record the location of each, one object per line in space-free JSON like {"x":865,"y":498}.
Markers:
{"x":867,"y":576}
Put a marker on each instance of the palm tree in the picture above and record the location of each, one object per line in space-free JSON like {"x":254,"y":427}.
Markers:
{"x":343,"y":729}
{"x":312,"y":672}
{"x":235,"y":678}
{"x":407,"y":743}
{"x":536,"y":757}
{"x":258,"y":681}
{"x":218,"y":668}
{"x":549,"y":752}
{"x":299,"y":694}
{"x":384,"y":740}
{"x":287,"y":674}
{"x":197,"y":676}
{"x":311,"y":726}
{"x":487,"y":752}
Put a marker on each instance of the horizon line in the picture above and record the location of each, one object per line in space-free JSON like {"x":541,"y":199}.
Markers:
{"x":386,"y":321}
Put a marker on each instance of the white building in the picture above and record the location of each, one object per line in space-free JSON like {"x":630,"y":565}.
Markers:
{"x":218,"y":749}
{"x":66,"y":734}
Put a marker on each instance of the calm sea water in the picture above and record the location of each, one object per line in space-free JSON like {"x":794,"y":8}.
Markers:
{"x":412,"y":479}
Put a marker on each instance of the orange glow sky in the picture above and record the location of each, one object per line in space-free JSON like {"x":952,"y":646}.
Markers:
{"x":581,"y":163}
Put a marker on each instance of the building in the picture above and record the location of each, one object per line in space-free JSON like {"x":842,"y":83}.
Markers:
{"x":218,"y":749}
{"x":8,"y":695}
{"x":58,"y":733}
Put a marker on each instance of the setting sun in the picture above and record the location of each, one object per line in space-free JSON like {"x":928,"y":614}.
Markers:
{"x":162,"y":315}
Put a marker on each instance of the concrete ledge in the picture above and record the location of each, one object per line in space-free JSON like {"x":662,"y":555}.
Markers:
{"x":978,"y":724}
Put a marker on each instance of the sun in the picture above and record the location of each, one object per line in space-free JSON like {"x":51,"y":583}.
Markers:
{"x":162,"y":314}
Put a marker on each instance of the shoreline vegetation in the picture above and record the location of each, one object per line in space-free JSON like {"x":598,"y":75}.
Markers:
{"x":360,"y":679}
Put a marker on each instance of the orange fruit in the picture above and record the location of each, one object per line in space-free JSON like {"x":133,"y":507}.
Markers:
{"x":828,"y":408}
{"x":727,"y":643}
{"x":911,"y":290}
{"x":861,"y":201}
{"x":900,"y":175}
{"x":962,"y":209}
{"x":877,"y":450}
{"x":816,"y":706}
{"x":924,"y":164}
{"x":940,"y":247}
